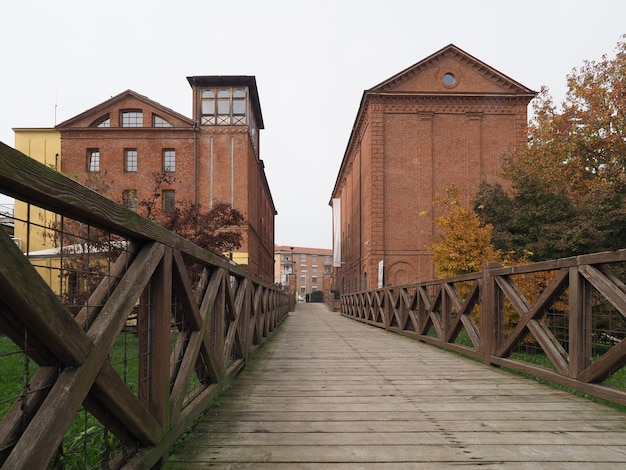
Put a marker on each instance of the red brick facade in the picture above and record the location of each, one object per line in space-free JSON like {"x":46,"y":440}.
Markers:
{"x":448,"y":119}
{"x":210,"y":162}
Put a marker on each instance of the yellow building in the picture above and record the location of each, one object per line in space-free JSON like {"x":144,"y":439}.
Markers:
{"x":43,"y":145}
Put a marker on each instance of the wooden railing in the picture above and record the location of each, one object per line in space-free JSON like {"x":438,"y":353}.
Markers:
{"x":122,"y":332}
{"x":562,"y":321}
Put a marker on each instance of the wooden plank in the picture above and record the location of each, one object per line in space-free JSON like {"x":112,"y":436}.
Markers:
{"x":329,"y":392}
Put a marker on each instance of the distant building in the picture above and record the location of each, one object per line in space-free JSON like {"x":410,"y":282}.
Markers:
{"x":214,"y":156}
{"x":302,"y":268}
{"x":449,"y":119}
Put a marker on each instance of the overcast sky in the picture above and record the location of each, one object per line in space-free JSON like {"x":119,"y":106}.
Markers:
{"x":312,"y":61}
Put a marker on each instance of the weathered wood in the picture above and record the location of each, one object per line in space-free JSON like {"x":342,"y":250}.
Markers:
{"x":29,"y":298}
{"x":331,"y":393}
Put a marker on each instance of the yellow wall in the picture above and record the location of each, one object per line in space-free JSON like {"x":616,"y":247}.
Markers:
{"x":44,"y":145}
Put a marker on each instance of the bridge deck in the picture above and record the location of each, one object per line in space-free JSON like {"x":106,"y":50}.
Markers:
{"x":329,"y":392}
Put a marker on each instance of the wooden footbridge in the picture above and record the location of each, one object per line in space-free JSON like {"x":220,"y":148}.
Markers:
{"x":116,"y":336}
{"x":328,"y":392}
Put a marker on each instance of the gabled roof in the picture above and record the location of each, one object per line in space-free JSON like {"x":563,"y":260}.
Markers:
{"x":102,"y":108}
{"x":425,"y":79}
{"x":232,"y":80}
{"x":441,"y":60}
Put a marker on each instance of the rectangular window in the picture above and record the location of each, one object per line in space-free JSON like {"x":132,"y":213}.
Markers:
{"x":169,"y":201}
{"x":314,"y":279}
{"x":132,"y":118}
{"x":93,"y":160}
{"x":130,"y":160}
{"x":129,"y":198}
{"x":224,"y":107}
{"x":303,"y":257}
{"x":303,"y":279}
{"x":314,"y":268}
{"x":169,"y":160}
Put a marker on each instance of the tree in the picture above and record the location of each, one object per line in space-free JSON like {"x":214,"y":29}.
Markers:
{"x":568,"y":185}
{"x":463,"y":244}
{"x":216,"y":230}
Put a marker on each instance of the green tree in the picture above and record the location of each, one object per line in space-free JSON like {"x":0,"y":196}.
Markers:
{"x":568,"y":185}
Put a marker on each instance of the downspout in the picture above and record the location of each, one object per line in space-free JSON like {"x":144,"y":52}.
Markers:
{"x":195,"y":143}
{"x":232,"y":171}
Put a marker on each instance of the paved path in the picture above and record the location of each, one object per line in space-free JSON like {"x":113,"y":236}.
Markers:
{"x":330,"y":393}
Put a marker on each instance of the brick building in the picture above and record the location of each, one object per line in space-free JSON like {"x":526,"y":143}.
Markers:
{"x":213,"y":157}
{"x":449,"y":119}
{"x":301,"y":269}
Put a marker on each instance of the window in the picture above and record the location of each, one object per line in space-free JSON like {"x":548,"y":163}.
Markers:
{"x":132,"y":118}
{"x":239,"y":106}
{"x":158,"y":121}
{"x":224,"y":107}
{"x":314,"y":268}
{"x":302,"y":279}
{"x":169,"y":201}
{"x":104,"y":121}
{"x":130,"y":160}
{"x":129,"y":198}
{"x":208,"y":107}
{"x":314,"y":279}
{"x":169,"y":160}
{"x":303,"y":257}
{"x":93,"y":160}
{"x":449,"y":79}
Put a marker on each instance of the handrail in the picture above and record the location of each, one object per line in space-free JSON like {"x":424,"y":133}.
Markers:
{"x":185,"y":320}
{"x":563,"y":321}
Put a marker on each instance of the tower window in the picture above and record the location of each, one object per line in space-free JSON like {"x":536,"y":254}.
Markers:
{"x":224,"y":107}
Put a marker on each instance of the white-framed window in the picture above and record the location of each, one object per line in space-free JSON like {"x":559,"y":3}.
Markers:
{"x":169,"y":160}
{"x":93,"y":160}
{"x":130,"y":160}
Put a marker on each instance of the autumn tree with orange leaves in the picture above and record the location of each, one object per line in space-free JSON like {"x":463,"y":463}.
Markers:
{"x":462,"y":244}
{"x":568,"y":192}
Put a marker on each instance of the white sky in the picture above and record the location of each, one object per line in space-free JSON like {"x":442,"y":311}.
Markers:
{"x":312,"y":61}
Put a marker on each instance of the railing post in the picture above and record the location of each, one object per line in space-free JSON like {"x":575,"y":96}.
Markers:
{"x":579,"y":322}
{"x":490,"y":314}
{"x":161,"y":322}
{"x":387,"y":307}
